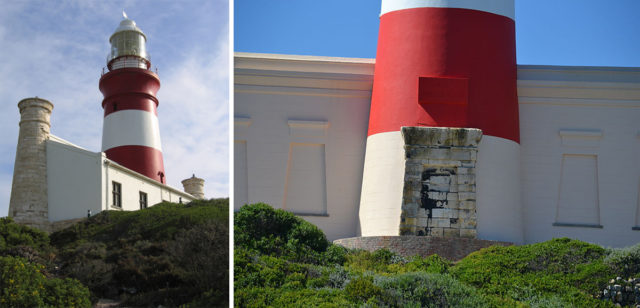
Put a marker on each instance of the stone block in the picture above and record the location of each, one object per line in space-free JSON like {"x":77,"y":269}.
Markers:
{"x":470,"y":164}
{"x":439,"y":179}
{"x":467,"y":204}
{"x":444,"y":213}
{"x":460,"y":154}
{"x":466,"y":179}
{"x":451,"y":232}
{"x":445,"y":162}
{"x":440,"y":223}
{"x":465,"y":188}
{"x":422,"y":212}
{"x":466,"y":171}
{"x":442,"y":154}
{"x":466,"y":196}
{"x":467,"y":214}
{"x":410,"y":209}
{"x":452,"y":197}
{"x":438,"y":187}
{"x":437,"y":231}
{"x":469,"y":233}
{"x":468,"y":223}
{"x":438,"y":195}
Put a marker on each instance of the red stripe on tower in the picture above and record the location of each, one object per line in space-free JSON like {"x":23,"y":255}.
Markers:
{"x":429,"y":53}
{"x":444,"y":63}
{"x":131,"y":135}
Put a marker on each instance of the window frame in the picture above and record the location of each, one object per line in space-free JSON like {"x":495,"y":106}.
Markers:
{"x":144,"y":202}
{"x":116,"y":194}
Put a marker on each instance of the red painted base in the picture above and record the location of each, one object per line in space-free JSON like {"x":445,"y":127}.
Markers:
{"x":144,"y":160}
{"x":446,"y":67}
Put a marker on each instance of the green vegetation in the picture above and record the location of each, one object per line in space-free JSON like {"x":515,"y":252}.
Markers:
{"x":281,"y":260}
{"x":25,"y":280}
{"x":169,"y":254}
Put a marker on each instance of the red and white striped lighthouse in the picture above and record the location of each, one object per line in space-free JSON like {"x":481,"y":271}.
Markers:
{"x":130,"y":134}
{"x":445,"y":63}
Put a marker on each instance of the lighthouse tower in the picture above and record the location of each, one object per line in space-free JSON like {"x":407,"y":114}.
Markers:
{"x":130,"y":135}
{"x":447,"y":67}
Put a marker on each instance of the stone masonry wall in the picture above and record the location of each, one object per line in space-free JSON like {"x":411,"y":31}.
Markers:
{"x":439,"y":197}
{"x":450,"y":248}
{"x":194,"y":186}
{"x":28,"y":204}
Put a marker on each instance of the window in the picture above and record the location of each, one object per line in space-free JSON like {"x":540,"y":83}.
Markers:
{"x":143,"y":200}
{"x":117,"y":194}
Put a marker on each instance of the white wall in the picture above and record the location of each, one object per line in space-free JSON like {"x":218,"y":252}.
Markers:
{"x":73,"y":180}
{"x":79,"y":180}
{"x":132,"y":184}
{"x":564,"y":111}
{"x":293,"y":105}
{"x":587,"y":117}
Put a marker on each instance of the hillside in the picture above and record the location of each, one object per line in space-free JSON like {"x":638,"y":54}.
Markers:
{"x":169,"y":254}
{"x":281,"y":260}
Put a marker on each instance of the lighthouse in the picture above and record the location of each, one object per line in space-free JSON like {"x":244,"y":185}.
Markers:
{"x":131,"y":135}
{"x":445,"y":88}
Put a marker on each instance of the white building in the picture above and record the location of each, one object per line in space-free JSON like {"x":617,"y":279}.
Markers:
{"x":56,"y":182}
{"x":301,"y":128}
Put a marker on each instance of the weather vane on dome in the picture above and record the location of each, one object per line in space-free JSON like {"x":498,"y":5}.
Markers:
{"x":124,"y":14}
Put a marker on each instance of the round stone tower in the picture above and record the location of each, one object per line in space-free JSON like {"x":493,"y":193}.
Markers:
{"x":28,"y":204}
{"x":131,"y":133}
{"x":194,"y":186}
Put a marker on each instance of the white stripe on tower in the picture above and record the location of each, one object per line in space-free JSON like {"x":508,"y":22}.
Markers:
{"x":131,"y":127}
{"x":500,"y":7}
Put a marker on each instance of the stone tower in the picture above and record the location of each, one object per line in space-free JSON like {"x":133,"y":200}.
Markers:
{"x":28,"y":203}
{"x":194,"y":186}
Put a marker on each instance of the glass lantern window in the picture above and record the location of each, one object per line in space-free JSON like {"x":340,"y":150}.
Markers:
{"x":128,"y":43}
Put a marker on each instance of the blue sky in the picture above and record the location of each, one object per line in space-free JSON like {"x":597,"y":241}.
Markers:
{"x":548,"y":32}
{"x":56,"y":50}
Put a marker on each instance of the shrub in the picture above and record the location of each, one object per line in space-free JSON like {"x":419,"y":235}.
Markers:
{"x":277,"y":232}
{"x":427,"y":290}
{"x":430,"y":264}
{"x":169,"y":254}
{"x":335,"y":254}
{"x":24,"y":285}
{"x":572,"y":269}
{"x":269,"y":297}
{"x":361,"y":289}
{"x":625,"y":262}
{"x":14,"y":235}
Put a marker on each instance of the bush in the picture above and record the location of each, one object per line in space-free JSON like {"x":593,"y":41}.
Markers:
{"x":625,"y":262}
{"x":572,"y":269}
{"x":427,"y":290}
{"x":169,"y":254}
{"x":14,"y":235}
{"x":276,"y":232}
{"x":24,"y":285}
{"x":361,"y":289}
{"x":270,"y":297}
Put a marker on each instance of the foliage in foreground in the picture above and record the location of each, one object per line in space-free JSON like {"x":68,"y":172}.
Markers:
{"x":169,"y":254}
{"x":24,"y":278}
{"x":277,"y":266}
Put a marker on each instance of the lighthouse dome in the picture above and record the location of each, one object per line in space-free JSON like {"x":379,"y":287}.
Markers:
{"x":127,"y":25}
{"x":128,"y":41}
